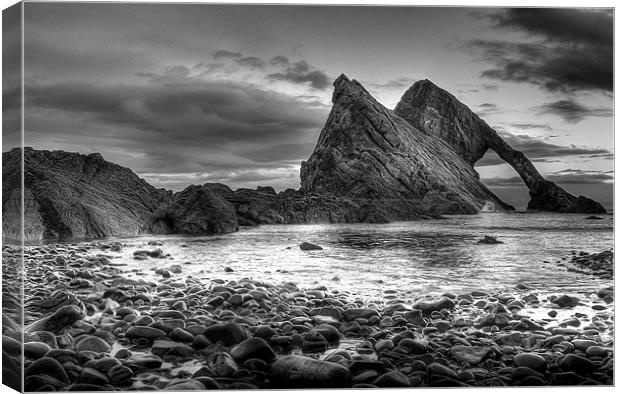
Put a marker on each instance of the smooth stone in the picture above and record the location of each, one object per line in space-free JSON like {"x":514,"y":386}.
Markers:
{"x":566,"y":379}
{"x":35,"y":350}
{"x":384,"y":344}
{"x":575,"y":363}
{"x":35,"y":383}
{"x":170,"y":314}
{"x":470,"y":354}
{"x":413,"y":346}
{"x":357,"y":313}
{"x":309,"y":246}
{"x":295,"y":371}
{"x":583,"y":344}
{"x":392,"y":379}
{"x":11,"y":346}
{"x":429,"y":306}
{"x":439,"y":369}
{"x":494,"y":319}
{"x":566,"y":301}
{"x":596,"y":351}
{"x":93,"y":344}
{"x":179,"y":334}
{"x":512,"y":339}
{"x":47,"y":366}
{"x":63,"y":317}
{"x":104,"y":364}
{"x":91,"y":375}
{"x":252,"y":348}
{"x":531,"y":360}
{"x":163,"y":347}
{"x":142,"y":362}
{"x":264,"y":332}
{"x":329,"y":332}
{"x":222,"y":364}
{"x":146,"y":332}
{"x":227,"y":333}
{"x":187,"y":385}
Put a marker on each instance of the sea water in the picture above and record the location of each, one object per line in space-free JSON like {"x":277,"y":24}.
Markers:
{"x":421,"y":257}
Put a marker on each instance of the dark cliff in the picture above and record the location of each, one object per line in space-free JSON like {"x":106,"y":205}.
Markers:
{"x":370,"y":155}
{"x":73,"y":195}
{"x":70,"y":195}
{"x":437,"y":112}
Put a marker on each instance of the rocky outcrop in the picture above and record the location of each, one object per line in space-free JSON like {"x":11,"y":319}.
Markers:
{"x":438,"y":113}
{"x":375,"y":158}
{"x":264,"y":206}
{"x":196,"y":210}
{"x":72,"y":195}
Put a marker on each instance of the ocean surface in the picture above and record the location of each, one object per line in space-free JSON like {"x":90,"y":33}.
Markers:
{"x":412,"y":258}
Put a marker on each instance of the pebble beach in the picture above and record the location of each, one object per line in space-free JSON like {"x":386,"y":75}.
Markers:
{"x":89,"y":326}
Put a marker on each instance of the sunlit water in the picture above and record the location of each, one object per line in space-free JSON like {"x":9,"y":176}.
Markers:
{"x":411,"y":257}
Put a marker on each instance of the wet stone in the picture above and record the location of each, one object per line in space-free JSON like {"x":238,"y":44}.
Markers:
{"x":93,"y":344}
{"x":35,"y":350}
{"x":392,"y":379}
{"x":303,"y":372}
{"x":227,"y":333}
{"x":252,"y":348}
{"x":575,"y":363}
{"x":47,"y":366}
{"x":146,"y":332}
{"x":531,"y":360}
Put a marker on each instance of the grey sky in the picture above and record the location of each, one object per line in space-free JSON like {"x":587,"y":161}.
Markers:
{"x":238,"y":94}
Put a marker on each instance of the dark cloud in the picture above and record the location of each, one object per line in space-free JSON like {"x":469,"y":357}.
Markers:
{"x":572,"y":111}
{"x":11,"y":77}
{"x":529,"y":126}
{"x":302,"y":73}
{"x":251,"y":61}
{"x":566,"y":24}
{"x":537,"y":149}
{"x":568,"y":49}
{"x":166,"y":127}
{"x":279,"y":60}
{"x":487,"y":109}
{"x":225,"y":54}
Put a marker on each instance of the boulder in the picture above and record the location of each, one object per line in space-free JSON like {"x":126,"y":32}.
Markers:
{"x":295,"y":371}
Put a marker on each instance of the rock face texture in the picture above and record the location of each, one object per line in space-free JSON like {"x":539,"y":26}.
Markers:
{"x":69,"y":195}
{"x":377,"y":159}
{"x":196,"y":210}
{"x":437,"y":112}
{"x":74,"y":195}
{"x":265,"y":206}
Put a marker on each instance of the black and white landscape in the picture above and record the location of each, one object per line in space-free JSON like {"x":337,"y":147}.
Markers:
{"x":244,"y":197}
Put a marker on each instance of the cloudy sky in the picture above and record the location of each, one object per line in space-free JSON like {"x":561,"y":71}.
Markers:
{"x":237,"y":94}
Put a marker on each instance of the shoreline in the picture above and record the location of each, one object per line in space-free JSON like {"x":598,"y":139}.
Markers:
{"x":185,"y":333}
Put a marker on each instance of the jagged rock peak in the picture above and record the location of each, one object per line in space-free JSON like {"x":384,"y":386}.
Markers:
{"x":345,"y":87}
{"x":372,"y":156}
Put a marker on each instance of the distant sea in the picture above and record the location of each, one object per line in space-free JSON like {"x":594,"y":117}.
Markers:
{"x":414,"y":258}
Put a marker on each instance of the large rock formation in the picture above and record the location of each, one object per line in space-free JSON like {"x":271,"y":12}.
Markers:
{"x":265,"y":206}
{"x":73,"y":195}
{"x":437,"y":112}
{"x":70,"y":195}
{"x":377,"y":159}
{"x":196,"y":210}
